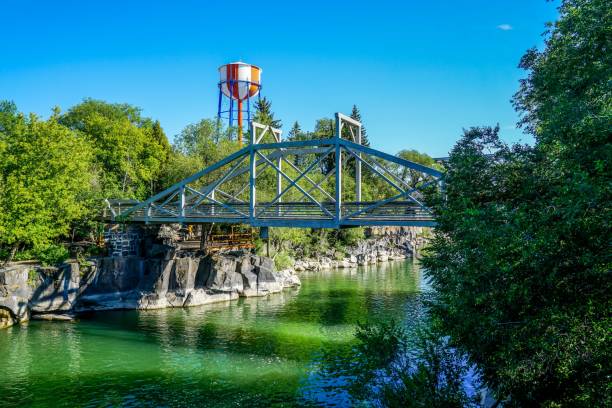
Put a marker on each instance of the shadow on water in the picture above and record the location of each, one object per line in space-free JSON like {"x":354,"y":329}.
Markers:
{"x":252,"y":352}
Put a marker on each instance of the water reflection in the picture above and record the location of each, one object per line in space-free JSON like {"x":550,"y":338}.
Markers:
{"x":255,"y":352}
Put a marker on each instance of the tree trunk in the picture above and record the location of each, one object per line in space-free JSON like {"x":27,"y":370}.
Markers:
{"x":12,"y":253}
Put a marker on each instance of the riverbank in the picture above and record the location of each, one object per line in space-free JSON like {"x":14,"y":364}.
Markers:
{"x":133,"y":282}
{"x":381,"y":244}
{"x":165,"y":277}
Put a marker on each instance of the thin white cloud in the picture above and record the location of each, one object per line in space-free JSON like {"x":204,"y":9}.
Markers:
{"x":505,"y":27}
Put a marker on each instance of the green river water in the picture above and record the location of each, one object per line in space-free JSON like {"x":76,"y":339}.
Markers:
{"x":257,"y":352}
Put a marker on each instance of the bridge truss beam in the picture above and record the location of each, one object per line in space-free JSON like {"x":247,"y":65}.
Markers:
{"x":310,"y":192}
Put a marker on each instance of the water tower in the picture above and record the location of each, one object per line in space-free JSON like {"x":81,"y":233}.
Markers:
{"x":239,"y":82}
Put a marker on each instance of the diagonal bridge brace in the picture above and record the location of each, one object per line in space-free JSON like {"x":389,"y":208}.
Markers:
{"x":293,"y":183}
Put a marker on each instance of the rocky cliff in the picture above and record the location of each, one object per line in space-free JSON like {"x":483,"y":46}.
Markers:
{"x":136,"y":283}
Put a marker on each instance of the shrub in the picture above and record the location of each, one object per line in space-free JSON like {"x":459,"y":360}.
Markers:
{"x":351,"y":236}
{"x":282,"y":260}
{"x":52,"y":254}
{"x":26,"y":255}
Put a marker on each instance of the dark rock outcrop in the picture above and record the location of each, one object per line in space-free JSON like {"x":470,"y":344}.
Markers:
{"x":136,"y":283}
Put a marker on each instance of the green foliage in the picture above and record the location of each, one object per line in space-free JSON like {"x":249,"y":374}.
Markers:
{"x":24,"y":255}
{"x":296,"y":132}
{"x":283,"y":260}
{"x":129,"y":150}
{"x":300,"y":242}
{"x":288,"y":238}
{"x":83,"y":262}
{"x":198,"y":139}
{"x":180,"y":166}
{"x":45,"y":178}
{"x":520,"y":257}
{"x":413,"y":177}
{"x":351,"y":236}
{"x":198,"y":146}
{"x":264,"y":114}
{"x":355,"y":114}
{"x":387,"y":375}
{"x":52,"y":254}
{"x":32,"y":277}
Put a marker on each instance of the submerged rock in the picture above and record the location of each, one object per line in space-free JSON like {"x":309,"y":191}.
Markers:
{"x":54,"y":316}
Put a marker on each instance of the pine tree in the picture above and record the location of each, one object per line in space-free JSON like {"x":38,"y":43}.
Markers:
{"x":264,"y":114}
{"x":296,"y":132}
{"x":355,"y":114}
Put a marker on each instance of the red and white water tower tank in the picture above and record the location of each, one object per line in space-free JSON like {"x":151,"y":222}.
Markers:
{"x":238,"y":82}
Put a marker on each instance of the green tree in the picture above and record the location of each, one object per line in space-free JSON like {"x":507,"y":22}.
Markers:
{"x":325,"y":128}
{"x":296,"y":132}
{"x":45,"y":178}
{"x":180,"y":166}
{"x":129,"y":150}
{"x":355,"y":114}
{"x":264,"y":114}
{"x":521,"y":257}
{"x":412,"y":177}
{"x":204,"y":140}
{"x":8,"y":118}
{"x":200,"y":145}
{"x":158,"y":134}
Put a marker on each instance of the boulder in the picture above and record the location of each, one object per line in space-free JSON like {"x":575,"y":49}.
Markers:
{"x":288,"y":278}
{"x":57,"y":289}
{"x":16,"y":288}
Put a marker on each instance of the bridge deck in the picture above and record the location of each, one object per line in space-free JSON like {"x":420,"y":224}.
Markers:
{"x":291,"y":214}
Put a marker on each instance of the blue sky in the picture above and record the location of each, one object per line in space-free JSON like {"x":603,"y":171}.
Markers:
{"x":419,"y":71}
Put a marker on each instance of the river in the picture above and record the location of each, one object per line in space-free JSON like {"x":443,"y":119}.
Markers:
{"x":253,"y":352}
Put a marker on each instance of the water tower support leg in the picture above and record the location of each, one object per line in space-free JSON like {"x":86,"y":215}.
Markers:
{"x":231,"y":112}
{"x":239,"y":122}
{"x":358,"y":171}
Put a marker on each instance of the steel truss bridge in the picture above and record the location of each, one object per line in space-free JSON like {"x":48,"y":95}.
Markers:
{"x":275,"y":183}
